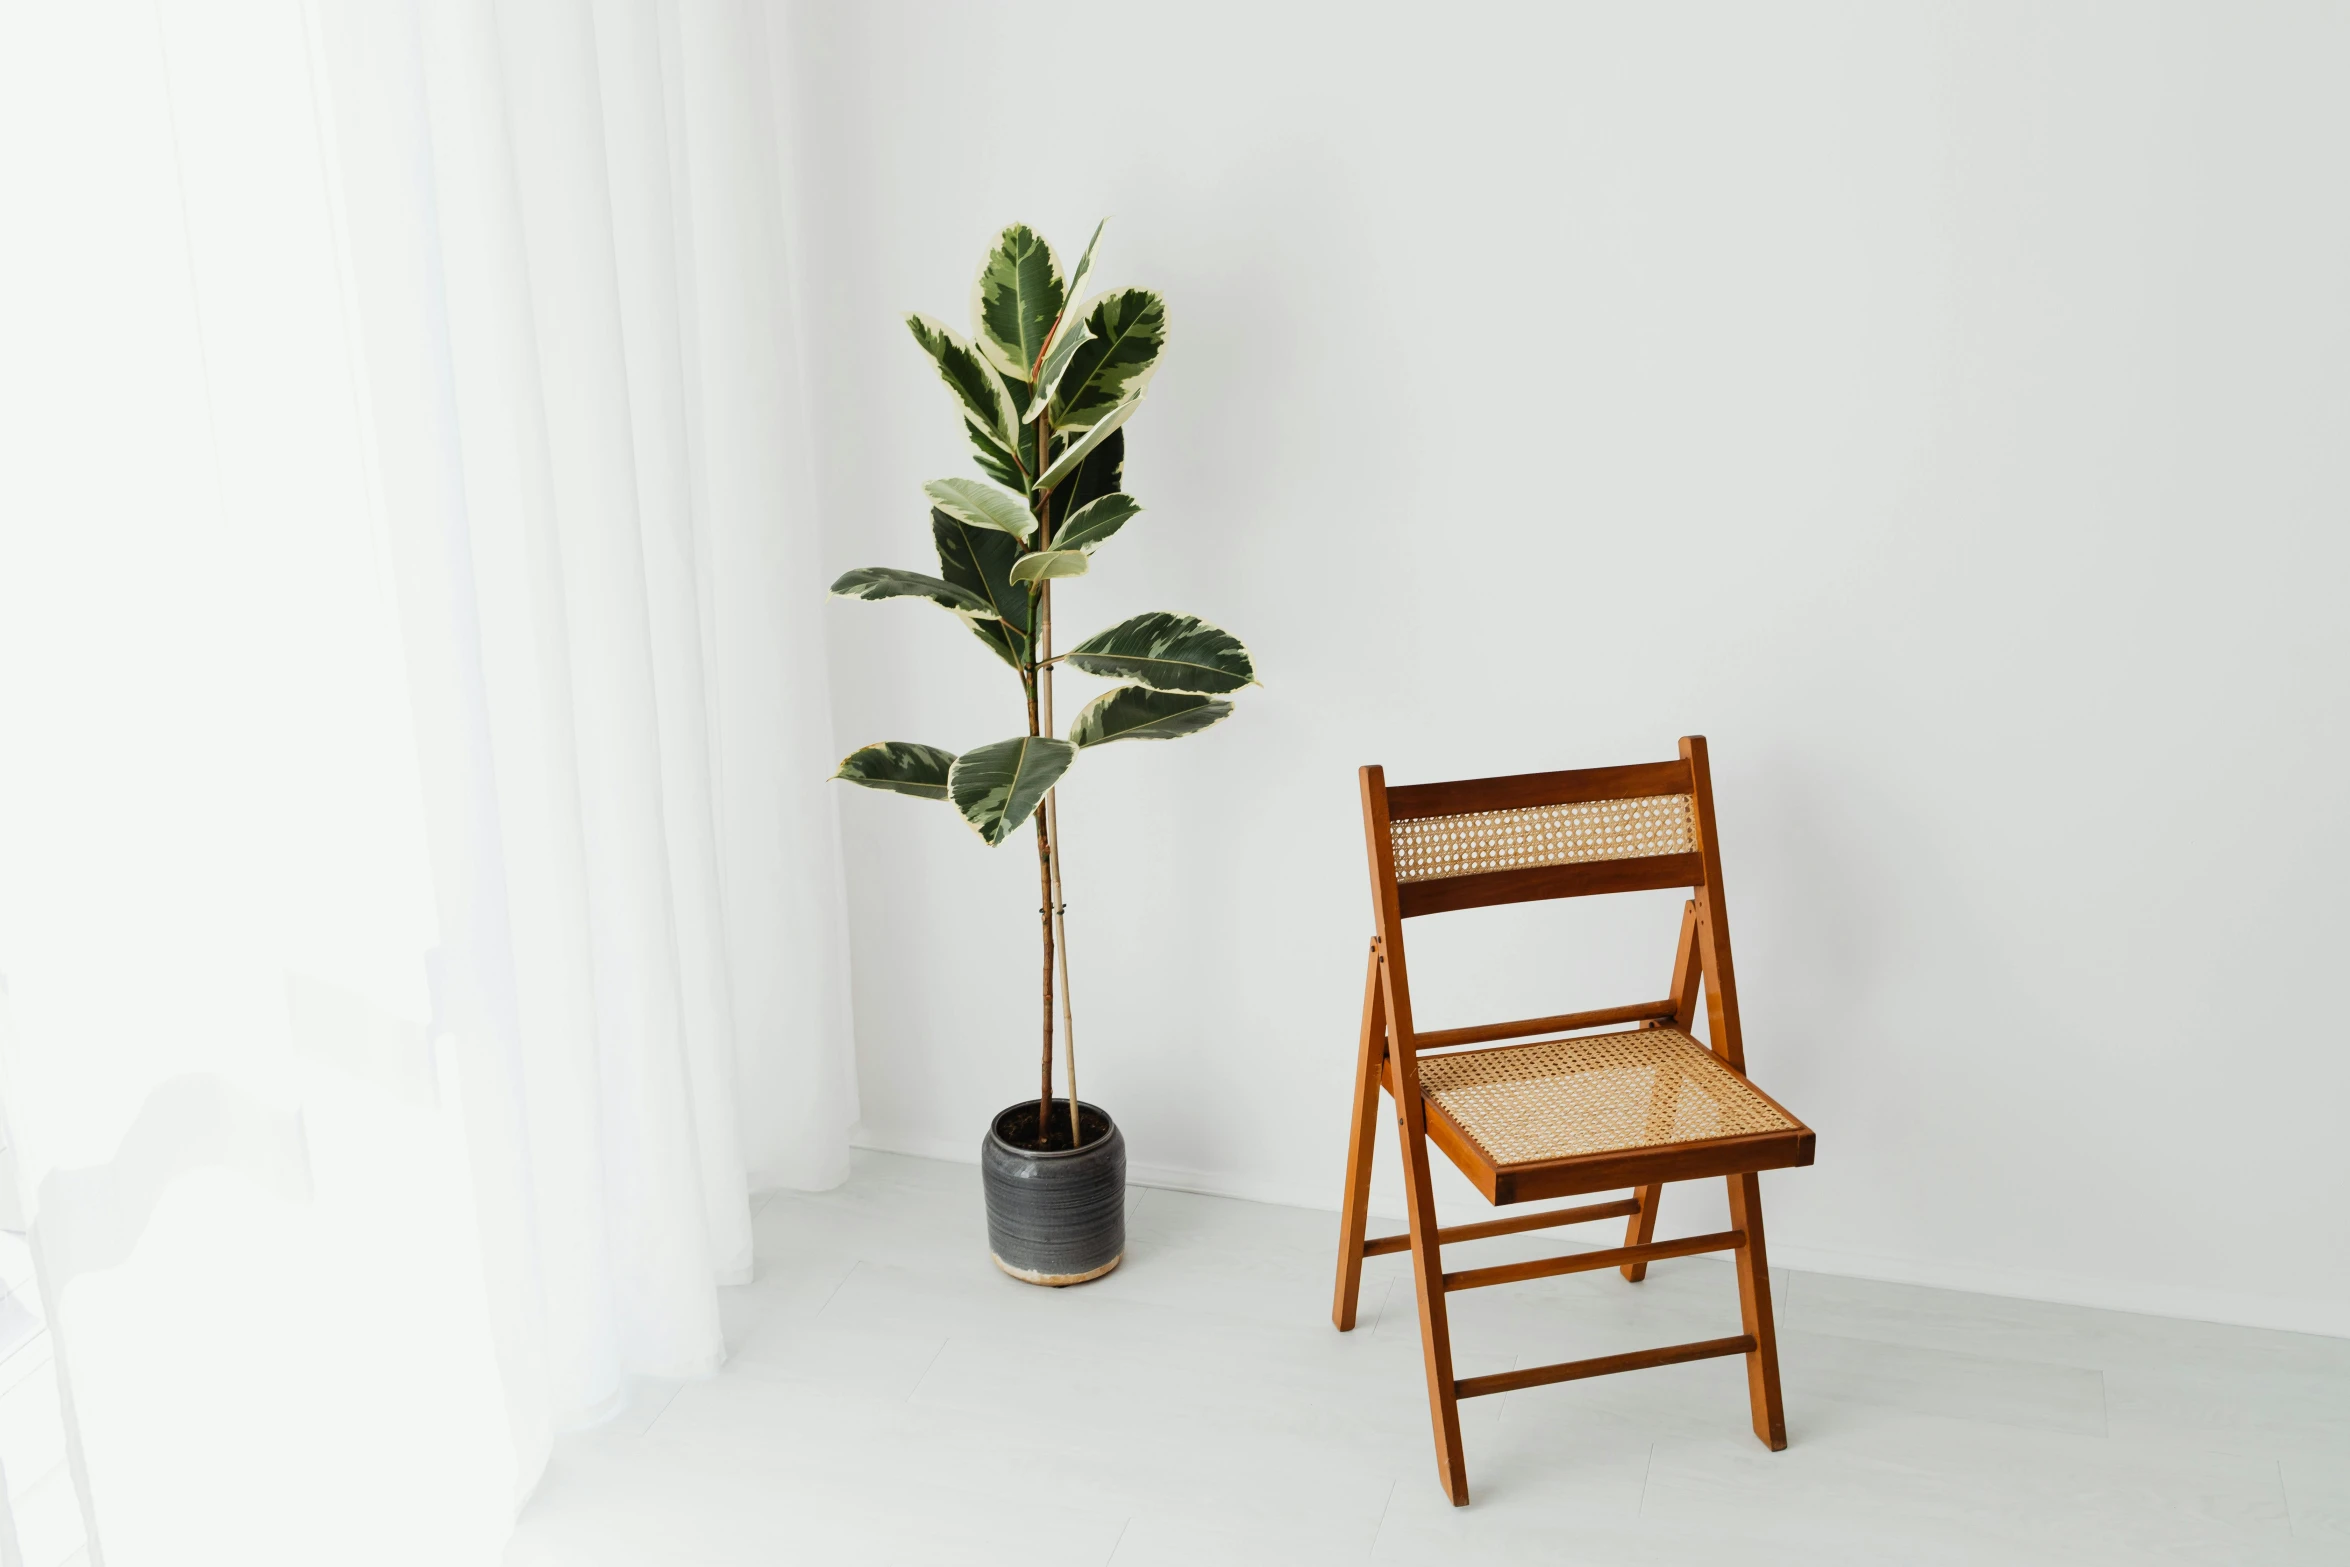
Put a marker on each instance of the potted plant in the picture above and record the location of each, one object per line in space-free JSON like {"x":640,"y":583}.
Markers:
{"x":1045,"y":387}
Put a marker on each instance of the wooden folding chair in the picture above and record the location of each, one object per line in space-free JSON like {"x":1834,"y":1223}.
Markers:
{"x":1564,"y":1115}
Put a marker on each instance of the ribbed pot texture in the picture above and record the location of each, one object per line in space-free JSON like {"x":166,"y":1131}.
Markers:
{"x":1055,"y":1216}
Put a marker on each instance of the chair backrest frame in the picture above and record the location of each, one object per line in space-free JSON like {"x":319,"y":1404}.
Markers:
{"x":1700,"y":870}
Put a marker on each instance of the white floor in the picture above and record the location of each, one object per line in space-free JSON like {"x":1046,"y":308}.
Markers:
{"x":892,"y":1398}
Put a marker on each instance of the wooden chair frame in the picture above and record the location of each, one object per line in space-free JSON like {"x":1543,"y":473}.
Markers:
{"x":1387,"y":1061}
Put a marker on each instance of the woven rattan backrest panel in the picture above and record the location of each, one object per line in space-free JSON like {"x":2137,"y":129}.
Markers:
{"x":1430,"y":847}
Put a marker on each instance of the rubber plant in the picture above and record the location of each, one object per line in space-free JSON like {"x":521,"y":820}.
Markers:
{"x":1045,"y":386}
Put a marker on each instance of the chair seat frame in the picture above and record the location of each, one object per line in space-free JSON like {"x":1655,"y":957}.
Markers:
{"x":1388,"y":1063}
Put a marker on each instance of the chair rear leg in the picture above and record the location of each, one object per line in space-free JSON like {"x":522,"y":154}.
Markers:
{"x":1754,"y":1309}
{"x":1362,"y":1141}
{"x":1444,"y":1410}
{"x":1664,"y":1095}
{"x":1640,"y":1229}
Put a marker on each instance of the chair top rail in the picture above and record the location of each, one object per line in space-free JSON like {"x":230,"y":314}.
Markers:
{"x":1560,"y":1023}
{"x":1462,"y":797}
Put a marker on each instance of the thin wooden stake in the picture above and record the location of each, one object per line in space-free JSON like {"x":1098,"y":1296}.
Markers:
{"x":1061,"y":950}
{"x":1060,"y":908}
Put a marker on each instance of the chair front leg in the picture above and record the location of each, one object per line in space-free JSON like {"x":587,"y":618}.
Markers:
{"x":1444,"y":1410}
{"x":1754,"y":1309}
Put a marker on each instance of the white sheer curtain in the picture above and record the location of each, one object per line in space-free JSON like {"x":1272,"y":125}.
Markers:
{"x":422,"y":913}
{"x":614,"y":430}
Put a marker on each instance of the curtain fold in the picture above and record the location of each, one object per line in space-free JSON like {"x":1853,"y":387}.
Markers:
{"x":645,"y":587}
{"x":763,"y":592}
{"x":563,"y":974}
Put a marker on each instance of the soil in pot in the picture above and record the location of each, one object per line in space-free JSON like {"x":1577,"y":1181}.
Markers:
{"x":1017,"y":1126}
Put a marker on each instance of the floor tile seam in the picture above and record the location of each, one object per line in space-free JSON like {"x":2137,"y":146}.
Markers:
{"x":1287,"y":1378}
{"x":2292,"y":1527}
{"x":831,"y":1463}
{"x":2120,"y":1491}
{"x":927,"y":1367}
{"x":1105,"y":1496}
{"x":758,"y":1376}
{"x":1987,"y":1423}
{"x":1955,"y":1354}
{"x":1931,"y":1424}
{"x":2082,"y":1363}
{"x":1366,"y":1420}
{"x":1212,"y":1537}
{"x":1283,"y":1384}
{"x":647,"y":1428}
{"x":1208,"y":1311}
{"x":34,"y":1353}
{"x":834,"y":1293}
{"x":1266,"y":1337}
{"x":1280,"y":1337}
{"x":2156,"y":1360}
{"x":2253,"y":1445}
{"x":2063,"y":1528}
{"x":1380,"y":1527}
{"x":842,"y":1451}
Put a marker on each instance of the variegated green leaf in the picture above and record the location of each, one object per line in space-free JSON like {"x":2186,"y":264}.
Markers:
{"x":1095,"y":521}
{"x":887,"y":582}
{"x":1168,"y":653}
{"x":1071,"y":312}
{"x":900,"y":766}
{"x":1137,"y":713}
{"x":1022,"y":453}
{"x":1066,"y":342}
{"x":1044,"y":564}
{"x":970,"y":377}
{"x":1129,"y":328}
{"x":997,"y":786}
{"x":996,"y":460}
{"x":1069,"y":333}
{"x":1015,"y":298}
{"x":1102,"y":473}
{"x":979,"y":561}
{"x":981,"y":505}
{"x":1082,"y":447}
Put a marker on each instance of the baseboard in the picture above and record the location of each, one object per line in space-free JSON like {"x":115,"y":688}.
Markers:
{"x":862,"y":1136}
{"x":1166,"y":1176}
{"x":2152,"y":1300}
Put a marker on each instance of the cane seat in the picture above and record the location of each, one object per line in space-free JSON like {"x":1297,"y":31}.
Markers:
{"x":1603,"y":1093}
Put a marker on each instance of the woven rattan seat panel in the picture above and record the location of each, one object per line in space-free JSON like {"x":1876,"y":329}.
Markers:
{"x":1598,"y":1094}
{"x":1430,"y":847}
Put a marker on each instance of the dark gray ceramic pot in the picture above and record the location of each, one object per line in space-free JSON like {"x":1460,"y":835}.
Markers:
{"x":1055,"y":1216}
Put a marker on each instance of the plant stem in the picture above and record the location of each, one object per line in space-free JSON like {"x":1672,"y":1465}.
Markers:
{"x":1039,"y":682}
{"x":1039,"y":678}
{"x":1044,"y":876}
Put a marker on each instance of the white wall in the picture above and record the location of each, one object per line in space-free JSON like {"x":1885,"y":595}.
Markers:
{"x":1941,"y":409}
